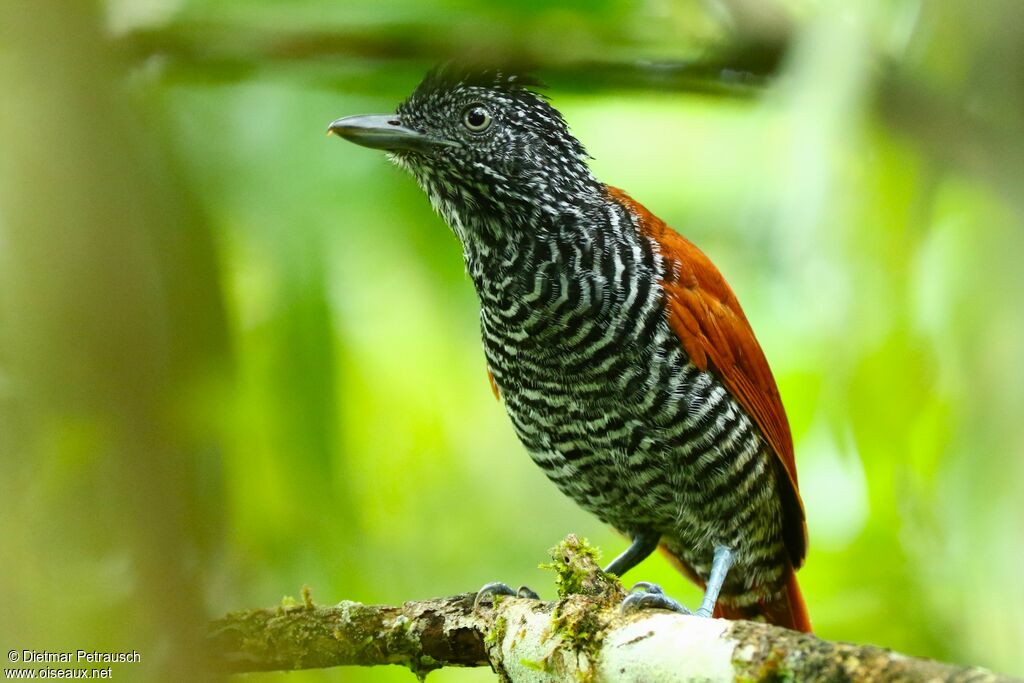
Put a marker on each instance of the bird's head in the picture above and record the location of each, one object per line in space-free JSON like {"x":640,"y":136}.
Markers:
{"x":487,"y":149}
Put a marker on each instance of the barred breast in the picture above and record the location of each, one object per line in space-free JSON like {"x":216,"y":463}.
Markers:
{"x":603,"y":396}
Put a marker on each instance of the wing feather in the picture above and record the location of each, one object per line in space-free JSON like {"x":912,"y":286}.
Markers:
{"x":706,"y":316}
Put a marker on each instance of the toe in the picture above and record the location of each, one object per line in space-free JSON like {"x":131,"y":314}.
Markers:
{"x":488,"y":591}
{"x":646,"y":587}
{"x":527,"y":592}
{"x":643,"y":596}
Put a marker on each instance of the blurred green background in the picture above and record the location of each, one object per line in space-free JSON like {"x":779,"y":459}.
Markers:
{"x":237,"y":357}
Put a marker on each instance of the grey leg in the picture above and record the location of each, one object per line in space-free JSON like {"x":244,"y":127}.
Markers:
{"x":719,"y":570}
{"x":648,"y":595}
{"x":643,"y":545}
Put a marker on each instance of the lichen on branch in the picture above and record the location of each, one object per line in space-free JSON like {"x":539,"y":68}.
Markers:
{"x":583,"y":636}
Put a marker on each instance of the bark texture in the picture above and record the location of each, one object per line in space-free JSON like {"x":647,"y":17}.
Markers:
{"x":581,"y":636}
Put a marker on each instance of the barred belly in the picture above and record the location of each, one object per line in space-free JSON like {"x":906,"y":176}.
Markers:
{"x":695,"y":470}
{"x":603,"y":396}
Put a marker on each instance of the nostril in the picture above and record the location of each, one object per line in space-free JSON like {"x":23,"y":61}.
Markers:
{"x":394,"y":122}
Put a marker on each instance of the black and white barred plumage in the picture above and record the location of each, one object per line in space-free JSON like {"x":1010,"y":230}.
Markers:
{"x":577,"y":338}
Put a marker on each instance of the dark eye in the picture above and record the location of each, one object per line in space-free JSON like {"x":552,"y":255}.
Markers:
{"x":476,"y":118}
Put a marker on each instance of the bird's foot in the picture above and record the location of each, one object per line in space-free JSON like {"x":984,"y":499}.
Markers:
{"x":646,"y":595}
{"x":496,"y":588}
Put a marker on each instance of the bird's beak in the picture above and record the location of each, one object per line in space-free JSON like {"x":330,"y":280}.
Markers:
{"x":384,"y":131}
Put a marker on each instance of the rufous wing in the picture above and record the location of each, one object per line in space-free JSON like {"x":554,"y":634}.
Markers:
{"x":494,"y":385}
{"x":707,"y":318}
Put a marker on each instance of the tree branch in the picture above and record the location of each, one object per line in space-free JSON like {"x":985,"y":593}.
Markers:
{"x":582,"y":636}
{"x":224,"y":52}
{"x":420,"y":635}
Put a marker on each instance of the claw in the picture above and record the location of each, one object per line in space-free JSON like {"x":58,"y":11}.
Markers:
{"x":644,"y":595}
{"x":500,"y":588}
{"x":527,"y":592}
{"x":493,"y":588}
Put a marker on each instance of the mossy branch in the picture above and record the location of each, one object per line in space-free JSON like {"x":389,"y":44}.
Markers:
{"x":580,"y":637}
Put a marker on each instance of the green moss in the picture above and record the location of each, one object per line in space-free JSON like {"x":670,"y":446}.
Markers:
{"x":580,"y":628}
{"x":536,"y":666}
{"x":581,"y":623}
{"x":496,"y":634}
{"x":307,"y":597}
{"x":577,"y":572}
{"x":772,"y":669}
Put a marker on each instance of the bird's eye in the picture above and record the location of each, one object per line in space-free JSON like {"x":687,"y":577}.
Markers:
{"x":476,"y":118}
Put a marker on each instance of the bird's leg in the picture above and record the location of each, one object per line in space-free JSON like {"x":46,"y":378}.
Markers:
{"x":649,"y":595}
{"x":719,"y":569}
{"x":499,"y":588}
{"x":644,"y":543}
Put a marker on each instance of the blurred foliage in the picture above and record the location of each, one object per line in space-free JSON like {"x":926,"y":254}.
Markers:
{"x":236,"y":358}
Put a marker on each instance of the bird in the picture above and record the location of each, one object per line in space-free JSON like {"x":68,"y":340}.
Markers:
{"x":626,"y":365}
